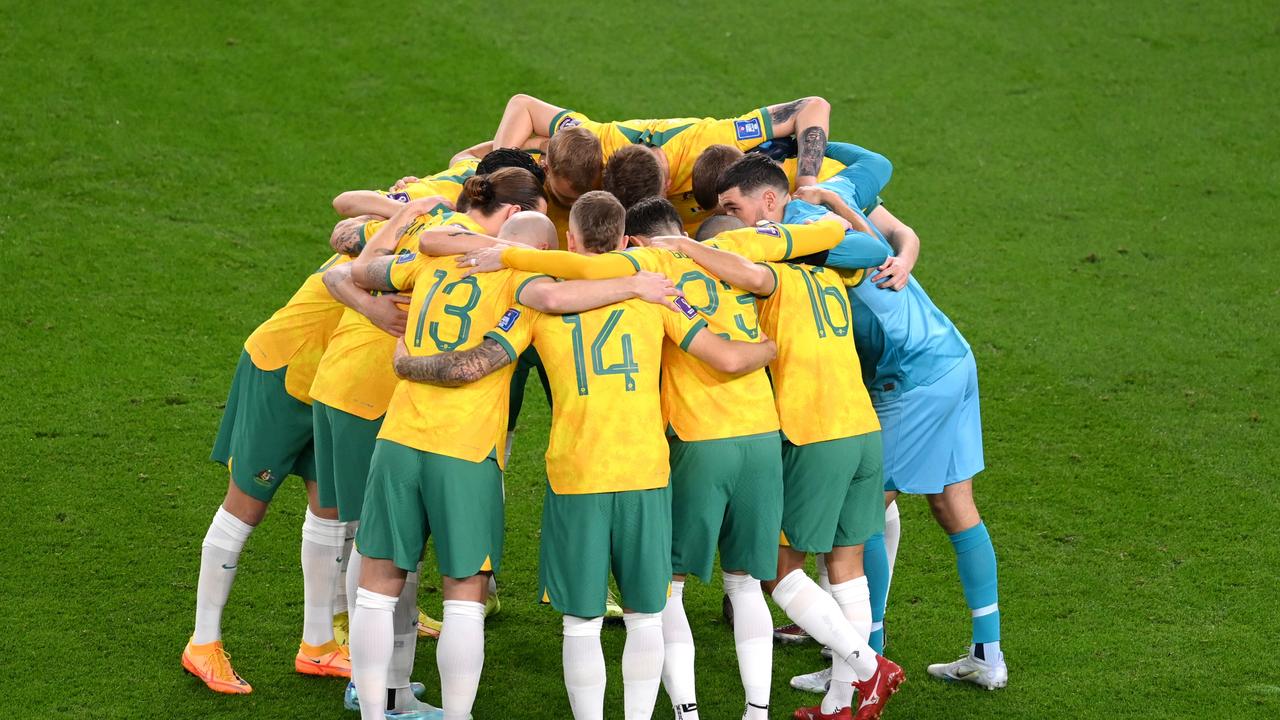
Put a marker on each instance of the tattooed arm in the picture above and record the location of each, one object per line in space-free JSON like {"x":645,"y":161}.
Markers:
{"x":382,"y":310}
{"x":809,"y":119}
{"x":451,"y":240}
{"x":386,"y":238}
{"x":451,"y":369}
{"x":348,"y":234}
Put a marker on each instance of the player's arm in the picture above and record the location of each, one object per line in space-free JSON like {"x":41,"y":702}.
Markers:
{"x":895,"y":271}
{"x":733,"y":357}
{"x":729,"y":267}
{"x":382,"y":310}
{"x":575,"y":296}
{"x":365,"y":202}
{"x":452,"y":240}
{"x":774,"y":243}
{"x":809,"y":119}
{"x":868,"y":171}
{"x":556,"y":263}
{"x":386,"y":238}
{"x":348,"y":235}
{"x":818,"y":195}
{"x":452,"y":369}
{"x":524,"y":117}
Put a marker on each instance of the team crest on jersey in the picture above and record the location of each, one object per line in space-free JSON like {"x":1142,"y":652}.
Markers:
{"x":567,"y":123}
{"x":771,"y":230}
{"x":509,"y":318}
{"x":686,"y":308}
{"x":406,"y":256}
{"x":748,"y":129}
{"x":399,"y":196}
{"x":264,"y":478}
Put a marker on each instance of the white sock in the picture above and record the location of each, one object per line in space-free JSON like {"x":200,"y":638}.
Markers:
{"x":372,"y":637}
{"x":892,"y":534}
{"x":641,"y":664}
{"x":854,"y":600}
{"x":677,"y":666}
{"x":584,"y":673}
{"x":340,"y":591}
{"x":460,"y":657}
{"x":219,"y":556}
{"x":321,"y":559}
{"x":353,"y":580}
{"x":753,"y":635}
{"x":817,"y":612}
{"x":405,"y":622}
{"x":824,"y":580}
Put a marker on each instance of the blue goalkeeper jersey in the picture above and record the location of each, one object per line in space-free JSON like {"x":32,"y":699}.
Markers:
{"x":904,"y":340}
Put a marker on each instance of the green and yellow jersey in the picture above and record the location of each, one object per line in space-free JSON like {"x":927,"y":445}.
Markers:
{"x":809,"y":317}
{"x":447,"y":183}
{"x":606,"y":411}
{"x":356,"y":375}
{"x":297,"y":334}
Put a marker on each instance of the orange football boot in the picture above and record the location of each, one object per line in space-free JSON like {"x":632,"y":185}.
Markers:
{"x":327,"y":660}
{"x":212,"y":664}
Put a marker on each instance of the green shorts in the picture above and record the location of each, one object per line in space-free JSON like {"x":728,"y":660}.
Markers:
{"x":586,"y":536}
{"x":833,"y":493}
{"x":344,"y":446}
{"x":265,"y":434}
{"x":726,"y":493}
{"x":413,"y":494}
{"x":527,"y":361}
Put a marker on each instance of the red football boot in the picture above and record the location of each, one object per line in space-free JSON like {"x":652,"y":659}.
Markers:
{"x":815,"y":713}
{"x":874,"y":693}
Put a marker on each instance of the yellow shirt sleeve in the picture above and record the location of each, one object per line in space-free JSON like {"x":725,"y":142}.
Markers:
{"x":775,"y":242}
{"x":402,"y":272}
{"x":514,"y":331}
{"x":682,"y":327}
{"x":572,"y":266}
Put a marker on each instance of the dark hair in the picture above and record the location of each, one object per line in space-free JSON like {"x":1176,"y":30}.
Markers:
{"x":752,"y":172}
{"x":653,"y":216}
{"x":633,"y":174}
{"x":575,"y":155}
{"x":513,"y":186}
{"x":599,"y":219}
{"x":707,"y":170}
{"x":510,"y":157}
{"x":715,"y":225}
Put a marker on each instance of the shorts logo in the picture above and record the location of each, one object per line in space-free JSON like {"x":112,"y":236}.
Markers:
{"x":768,"y":230}
{"x":406,"y":256}
{"x":264,"y":478}
{"x":399,"y":196}
{"x":747,"y":129}
{"x":686,"y":308}
{"x":567,"y":123}
{"x":509,"y":318}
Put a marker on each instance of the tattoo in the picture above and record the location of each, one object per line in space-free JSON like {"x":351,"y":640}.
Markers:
{"x":813,"y":143}
{"x":452,"y":369}
{"x":463,"y":231}
{"x":783,"y":113}
{"x":346,"y":238}
{"x":373,"y":276}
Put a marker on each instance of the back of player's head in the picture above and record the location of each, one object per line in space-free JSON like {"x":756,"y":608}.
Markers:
{"x":707,"y":170}
{"x":653,"y":216}
{"x":574,"y":158}
{"x":529,"y":228}
{"x":753,"y":172}
{"x":633,"y":174}
{"x":510,"y":157}
{"x":715,"y":225}
{"x":597,"y":220}
{"x":507,"y":186}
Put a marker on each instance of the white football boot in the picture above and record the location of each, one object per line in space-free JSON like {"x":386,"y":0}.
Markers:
{"x":990,"y":673}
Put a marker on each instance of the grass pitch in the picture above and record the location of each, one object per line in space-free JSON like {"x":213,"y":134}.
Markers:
{"x":1094,"y":183}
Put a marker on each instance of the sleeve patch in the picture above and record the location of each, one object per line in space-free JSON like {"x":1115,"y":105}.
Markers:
{"x":567,"y":122}
{"x":508,"y":320}
{"x":770,"y":230}
{"x":748,"y":129}
{"x":402,"y":197}
{"x":406,"y":256}
{"x":686,"y":308}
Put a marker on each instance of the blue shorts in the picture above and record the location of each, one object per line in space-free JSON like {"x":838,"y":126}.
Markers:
{"x":932,"y":433}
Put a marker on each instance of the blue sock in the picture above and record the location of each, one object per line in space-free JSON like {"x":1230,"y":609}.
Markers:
{"x":976,"y":561}
{"x":875,"y":563}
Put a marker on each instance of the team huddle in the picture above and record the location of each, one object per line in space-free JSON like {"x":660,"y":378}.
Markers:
{"x":722,"y":316}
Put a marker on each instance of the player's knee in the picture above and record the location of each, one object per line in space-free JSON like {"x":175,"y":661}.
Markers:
{"x":246,"y":508}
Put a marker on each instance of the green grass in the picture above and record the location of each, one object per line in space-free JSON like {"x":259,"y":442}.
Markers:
{"x":1095,"y":185}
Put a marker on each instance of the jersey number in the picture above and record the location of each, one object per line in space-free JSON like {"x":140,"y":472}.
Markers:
{"x":713,"y":302}
{"x":462,"y":311}
{"x":820,"y":297}
{"x":627,"y":368}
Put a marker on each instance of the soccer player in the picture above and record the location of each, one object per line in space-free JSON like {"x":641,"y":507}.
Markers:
{"x":436,"y":462}
{"x":579,"y":146}
{"x":726,"y":470}
{"x":604,"y":510}
{"x":265,"y":436}
{"x":831,"y":458}
{"x":355,"y":379}
{"x":448,"y":182}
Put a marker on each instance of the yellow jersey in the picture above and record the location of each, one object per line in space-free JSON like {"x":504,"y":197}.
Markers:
{"x":693,"y":215}
{"x":296,"y":335}
{"x":606,"y":412}
{"x":450,"y":313}
{"x":356,"y":374}
{"x":447,"y":183}
{"x":808,"y":315}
